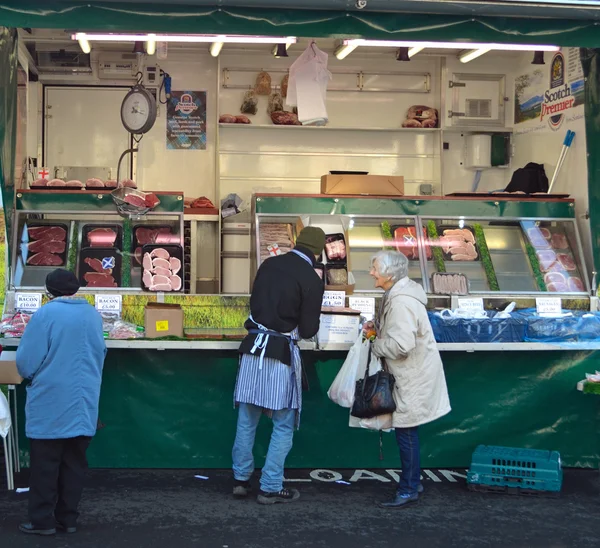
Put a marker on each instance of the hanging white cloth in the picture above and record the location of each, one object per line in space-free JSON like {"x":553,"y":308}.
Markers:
{"x":5,"y":419}
{"x":307,"y":86}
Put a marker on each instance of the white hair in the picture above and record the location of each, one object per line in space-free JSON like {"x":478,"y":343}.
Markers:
{"x":391,"y":263}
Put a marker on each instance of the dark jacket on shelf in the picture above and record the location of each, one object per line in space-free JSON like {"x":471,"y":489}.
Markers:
{"x":287,"y":294}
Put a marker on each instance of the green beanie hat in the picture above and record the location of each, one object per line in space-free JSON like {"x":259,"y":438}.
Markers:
{"x":312,"y":238}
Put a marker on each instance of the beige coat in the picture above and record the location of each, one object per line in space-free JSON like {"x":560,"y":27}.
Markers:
{"x":406,"y":341}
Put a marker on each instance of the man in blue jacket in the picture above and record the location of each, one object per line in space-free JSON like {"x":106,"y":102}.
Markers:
{"x":62,"y":352}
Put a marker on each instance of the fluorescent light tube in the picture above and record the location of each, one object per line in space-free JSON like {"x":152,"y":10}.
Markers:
{"x":345,"y":49}
{"x":414,"y":50}
{"x":467,"y":56}
{"x":215,"y":48}
{"x":151,"y":44}
{"x":359,"y":42}
{"x":186,"y":38}
{"x":84,"y":45}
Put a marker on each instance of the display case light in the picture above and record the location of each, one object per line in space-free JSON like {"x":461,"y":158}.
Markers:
{"x":184,"y":38}
{"x":215,"y":48}
{"x":467,"y":56}
{"x":151,"y":44}
{"x":414,"y":50}
{"x":85,"y":45}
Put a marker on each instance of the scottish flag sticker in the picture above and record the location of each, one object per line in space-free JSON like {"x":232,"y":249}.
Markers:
{"x":108,"y":262}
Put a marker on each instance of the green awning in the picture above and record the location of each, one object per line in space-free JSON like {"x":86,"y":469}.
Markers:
{"x":188,"y":17}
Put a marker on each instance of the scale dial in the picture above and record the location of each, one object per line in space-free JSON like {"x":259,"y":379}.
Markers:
{"x":138,"y":111}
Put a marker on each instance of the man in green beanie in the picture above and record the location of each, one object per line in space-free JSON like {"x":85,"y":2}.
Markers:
{"x":285,"y":306}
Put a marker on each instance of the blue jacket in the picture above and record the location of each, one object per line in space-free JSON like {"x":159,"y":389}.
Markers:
{"x":62,"y":351}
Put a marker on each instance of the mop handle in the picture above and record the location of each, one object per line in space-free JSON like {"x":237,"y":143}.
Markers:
{"x":566,"y":144}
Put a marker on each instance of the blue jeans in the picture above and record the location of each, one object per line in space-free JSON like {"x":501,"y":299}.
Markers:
{"x":284,"y":420}
{"x":408,"y":443}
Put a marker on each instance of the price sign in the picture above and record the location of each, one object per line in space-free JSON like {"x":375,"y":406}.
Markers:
{"x":472,"y":304}
{"x":334,"y":298}
{"x":109,"y":303}
{"x":28,"y":302}
{"x":366,"y":305}
{"x":548,"y":306}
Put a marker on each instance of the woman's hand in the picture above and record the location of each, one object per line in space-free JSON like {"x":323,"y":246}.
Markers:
{"x":369,"y":331}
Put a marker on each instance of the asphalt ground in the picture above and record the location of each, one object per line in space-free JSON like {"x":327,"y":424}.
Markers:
{"x":173,"y":509}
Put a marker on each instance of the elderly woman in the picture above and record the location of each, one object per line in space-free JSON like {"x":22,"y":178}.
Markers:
{"x":406,"y":342}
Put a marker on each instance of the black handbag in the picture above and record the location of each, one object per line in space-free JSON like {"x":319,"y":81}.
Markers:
{"x":373,"y":395}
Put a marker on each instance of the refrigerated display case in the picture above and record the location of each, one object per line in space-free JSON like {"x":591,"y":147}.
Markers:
{"x":499,"y":251}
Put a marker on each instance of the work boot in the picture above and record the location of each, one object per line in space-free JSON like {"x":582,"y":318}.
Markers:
{"x":241,"y":489}
{"x":285,"y":495}
{"x":29,"y":529}
{"x":401,"y":499}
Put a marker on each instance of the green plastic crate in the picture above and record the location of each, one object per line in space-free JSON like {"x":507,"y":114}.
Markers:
{"x":512,"y":470}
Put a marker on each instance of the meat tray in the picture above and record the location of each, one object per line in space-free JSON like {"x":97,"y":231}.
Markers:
{"x":330,"y":238}
{"x":173,"y":251}
{"x":334,"y":272}
{"x":105,"y":273}
{"x":63,"y":255}
{"x":412,"y":252}
{"x":116,"y":228}
{"x":447,"y":254}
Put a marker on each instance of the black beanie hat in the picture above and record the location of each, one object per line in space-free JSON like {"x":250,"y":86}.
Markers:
{"x":312,"y":238}
{"x":62,"y":283}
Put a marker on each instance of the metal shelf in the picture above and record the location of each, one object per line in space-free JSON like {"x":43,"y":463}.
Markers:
{"x":330,"y":128}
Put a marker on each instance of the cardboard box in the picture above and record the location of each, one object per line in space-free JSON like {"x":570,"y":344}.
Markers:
{"x":338,"y":328}
{"x":8,"y":368}
{"x":363,"y":185}
{"x":163,"y":320}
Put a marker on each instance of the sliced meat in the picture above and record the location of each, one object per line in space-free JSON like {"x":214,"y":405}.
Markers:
{"x":111,"y":184}
{"x":459,"y":250}
{"x":151,"y":200}
{"x":138,"y":255}
{"x":96,"y":266}
{"x":175,"y":283}
{"x":559,"y":241}
{"x":161,"y":287}
{"x":147,"y":261}
{"x":147,"y":278}
{"x":567,"y":261}
{"x":554,"y":277}
{"x":158,"y":280}
{"x":335,"y":250}
{"x":102,"y":237}
{"x":161,"y":271}
{"x":175,"y":264}
{"x":74,"y":184}
{"x":462,"y":257}
{"x":95,"y":279}
{"x":94,"y":183}
{"x":45,"y":259}
{"x":56,"y":182}
{"x":545,"y":233}
{"x":546,"y":259}
{"x":128,"y":183}
{"x":134,"y":200}
{"x":575,"y":284}
{"x":557,"y":287}
{"x":48,"y":246}
{"x":167,"y":238}
{"x":162,"y":263}
{"x":160,"y":253}
{"x":57,"y":233}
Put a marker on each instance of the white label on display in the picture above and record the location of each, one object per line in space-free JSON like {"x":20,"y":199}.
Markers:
{"x":28,"y":302}
{"x":548,"y":306}
{"x":473,"y":304}
{"x":109,"y":303}
{"x":366,"y":306}
{"x":334,"y":298}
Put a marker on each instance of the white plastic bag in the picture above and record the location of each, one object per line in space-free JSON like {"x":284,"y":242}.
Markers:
{"x":342,"y":388}
{"x":382,"y":422}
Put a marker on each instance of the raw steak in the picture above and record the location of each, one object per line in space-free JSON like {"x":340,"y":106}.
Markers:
{"x":162,"y":263}
{"x":161,"y":271}
{"x":559,"y":241}
{"x":128,"y":183}
{"x":575,"y":284}
{"x":102,"y":237}
{"x":74,"y":184}
{"x":95,"y":279}
{"x":148,"y":235}
{"x":45,"y":259}
{"x":57,"y":233}
{"x":94,"y":183}
{"x":147,"y":278}
{"x":134,"y":200}
{"x":165,"y":238}
{"x":49,"y":246}
{"x":545,"y":233}
{"x":175,"y":264}
{"x":566,"y":261}
{"x":175,"y":282}
{"x":138,"y":255}
{"x":161,"y":287}
{"x":147,"y":261}
{"x":405,"y":242}
{"x":56,"y":182}
{"x":96,"y":266}
{"x":336,"y":250}
{"x":111,"y":184}
{"x":557,"y":287}
{"x":160,"y":253}
{"x":151,"y":200}
{"x":554,"y":277}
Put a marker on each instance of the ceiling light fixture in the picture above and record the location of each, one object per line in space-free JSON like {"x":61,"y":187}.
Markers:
{"x":280,"y":50}
{"x":402,"y":54}
{"x":185,"y":38}
{"x":85,"y":45}
{"x":348,"y":46}
{"x":138,"y":48}
{"x":538,"y":58}
{"x":151,"y":44}
{"x":467,"y":56}
{"x":414,"y":50}
{"x":215,"y":48}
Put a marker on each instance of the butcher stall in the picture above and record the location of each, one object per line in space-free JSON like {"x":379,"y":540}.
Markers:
{"x":163,"y":167}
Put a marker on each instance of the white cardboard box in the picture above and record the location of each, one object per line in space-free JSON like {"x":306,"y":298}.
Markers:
{"x":338,"y":329}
